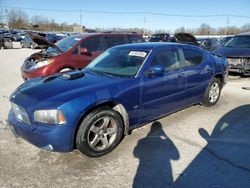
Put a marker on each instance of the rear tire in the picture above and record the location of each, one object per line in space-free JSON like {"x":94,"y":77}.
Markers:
{"x":212,"y":93}
{"x":100,"y":132}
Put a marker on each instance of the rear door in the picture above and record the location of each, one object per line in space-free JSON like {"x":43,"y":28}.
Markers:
{"x":163,"y":94}
{"x":94,"y":45}
{"x":198,"y":70}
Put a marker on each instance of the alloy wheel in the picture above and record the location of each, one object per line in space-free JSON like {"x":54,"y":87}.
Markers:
{"x":102,"y":134}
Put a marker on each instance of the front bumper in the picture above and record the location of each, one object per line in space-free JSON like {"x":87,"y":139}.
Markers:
{"x":239,"y":68}
{"x":48,"y":137}
{"x":29,"y":75}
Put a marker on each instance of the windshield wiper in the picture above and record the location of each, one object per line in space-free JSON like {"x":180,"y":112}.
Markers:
{"x":101,"y":73}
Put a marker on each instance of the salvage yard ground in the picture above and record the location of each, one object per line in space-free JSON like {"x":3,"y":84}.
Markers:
{"x":195,"y":147}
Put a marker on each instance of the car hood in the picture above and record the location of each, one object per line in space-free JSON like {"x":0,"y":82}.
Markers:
{"x":59,"y":88}
{"x":233,"y":52}
{"x":42,"y":42}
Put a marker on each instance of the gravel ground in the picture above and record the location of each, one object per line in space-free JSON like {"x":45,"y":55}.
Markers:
{"x":195,"y":147}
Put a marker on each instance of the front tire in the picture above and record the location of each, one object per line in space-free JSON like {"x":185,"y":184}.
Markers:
{"x":212,"y":93}
{"x":100,"y":132}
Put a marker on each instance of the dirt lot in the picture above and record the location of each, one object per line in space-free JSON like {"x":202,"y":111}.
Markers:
{"x":196,"y":147}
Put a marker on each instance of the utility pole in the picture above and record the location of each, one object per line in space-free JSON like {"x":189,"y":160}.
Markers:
{"x":145,"y":22}
{"x":227,"y":25}
{"x":81,"y":17}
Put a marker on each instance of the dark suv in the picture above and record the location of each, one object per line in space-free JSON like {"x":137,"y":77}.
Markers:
{"x":237,"y":52}
{"x":161,"y":37}
{"x":73,"y":52}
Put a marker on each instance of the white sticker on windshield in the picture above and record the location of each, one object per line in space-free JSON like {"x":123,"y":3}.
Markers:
{"x":137,"y":53}
{"x":77,"y":39}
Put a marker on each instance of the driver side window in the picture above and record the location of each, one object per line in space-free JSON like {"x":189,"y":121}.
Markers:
{"x":169,"y":59}
{"x":93,"y":44}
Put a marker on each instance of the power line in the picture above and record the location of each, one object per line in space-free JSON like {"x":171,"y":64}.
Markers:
{"x":137,"y":12}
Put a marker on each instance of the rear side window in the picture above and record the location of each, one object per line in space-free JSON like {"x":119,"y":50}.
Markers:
{"x":93,"y":44}
{"x":114,"y":40}
{"x":169,"y":59}
{"x":192,"y":57}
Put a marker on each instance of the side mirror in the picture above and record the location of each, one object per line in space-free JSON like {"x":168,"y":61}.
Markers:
{"x":85,"y":51}
{"x":156,"y":70}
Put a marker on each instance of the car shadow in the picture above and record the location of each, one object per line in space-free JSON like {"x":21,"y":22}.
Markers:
{"x":154,"y":153}
{"x":225,"y":160}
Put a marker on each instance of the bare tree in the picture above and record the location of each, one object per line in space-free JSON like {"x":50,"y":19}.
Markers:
{"x":245,"y":28}
{"x":17,"y":19}
{"x":205,"y":29}
{"x":180,"y":30}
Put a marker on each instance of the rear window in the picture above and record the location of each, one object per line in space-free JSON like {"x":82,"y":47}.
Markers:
{"x":192,"y":57}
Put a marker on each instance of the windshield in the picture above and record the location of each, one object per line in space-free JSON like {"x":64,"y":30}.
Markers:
{"x":118,"y":62}
{"x":64,"y":44}
{"x":238,"y":42}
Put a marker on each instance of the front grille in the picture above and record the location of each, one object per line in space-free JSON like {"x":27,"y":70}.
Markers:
{"x":239,"y":61}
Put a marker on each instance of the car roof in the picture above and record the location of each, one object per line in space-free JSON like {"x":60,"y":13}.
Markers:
{"x":244,"y":34}
{"x":84,"y":35}
{"x":150,"y":45}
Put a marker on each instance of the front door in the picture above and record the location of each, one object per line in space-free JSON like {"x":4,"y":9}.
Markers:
{"x":163,"y":94}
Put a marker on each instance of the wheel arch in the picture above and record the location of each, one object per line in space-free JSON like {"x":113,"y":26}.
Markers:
{"x":111,"y":104}
{"x":221,"y":77}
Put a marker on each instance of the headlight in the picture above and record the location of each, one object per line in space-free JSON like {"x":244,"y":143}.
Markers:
{"x":43,"y":63}
{"x":20,"y":113}
{"x":49,"y":116}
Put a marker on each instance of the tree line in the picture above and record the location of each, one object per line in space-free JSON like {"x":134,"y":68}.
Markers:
{"x":18,"y":19}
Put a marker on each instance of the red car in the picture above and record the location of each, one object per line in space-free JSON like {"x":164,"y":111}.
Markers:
{"x":73,"y":52}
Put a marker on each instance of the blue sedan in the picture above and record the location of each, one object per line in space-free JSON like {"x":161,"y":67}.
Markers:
{"x":126,"y":87}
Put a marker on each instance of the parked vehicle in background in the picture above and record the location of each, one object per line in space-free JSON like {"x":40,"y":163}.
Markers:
{"x":146,"y":38}
{"x":22,"y":35}
{"x":223,"y":40}
{"x":160,"y":37}
{"x":185,"y":38}
{"x":73,"y":52}
{"x":210,"y":44}
{"x":5,"y":42}
{"x":52,"y":37}
{"x":6,"y":33}
{"x":15,"y":35}
{"x":27,"y":42}
{"x":237,"y":52}
{"x":125,"y":87}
